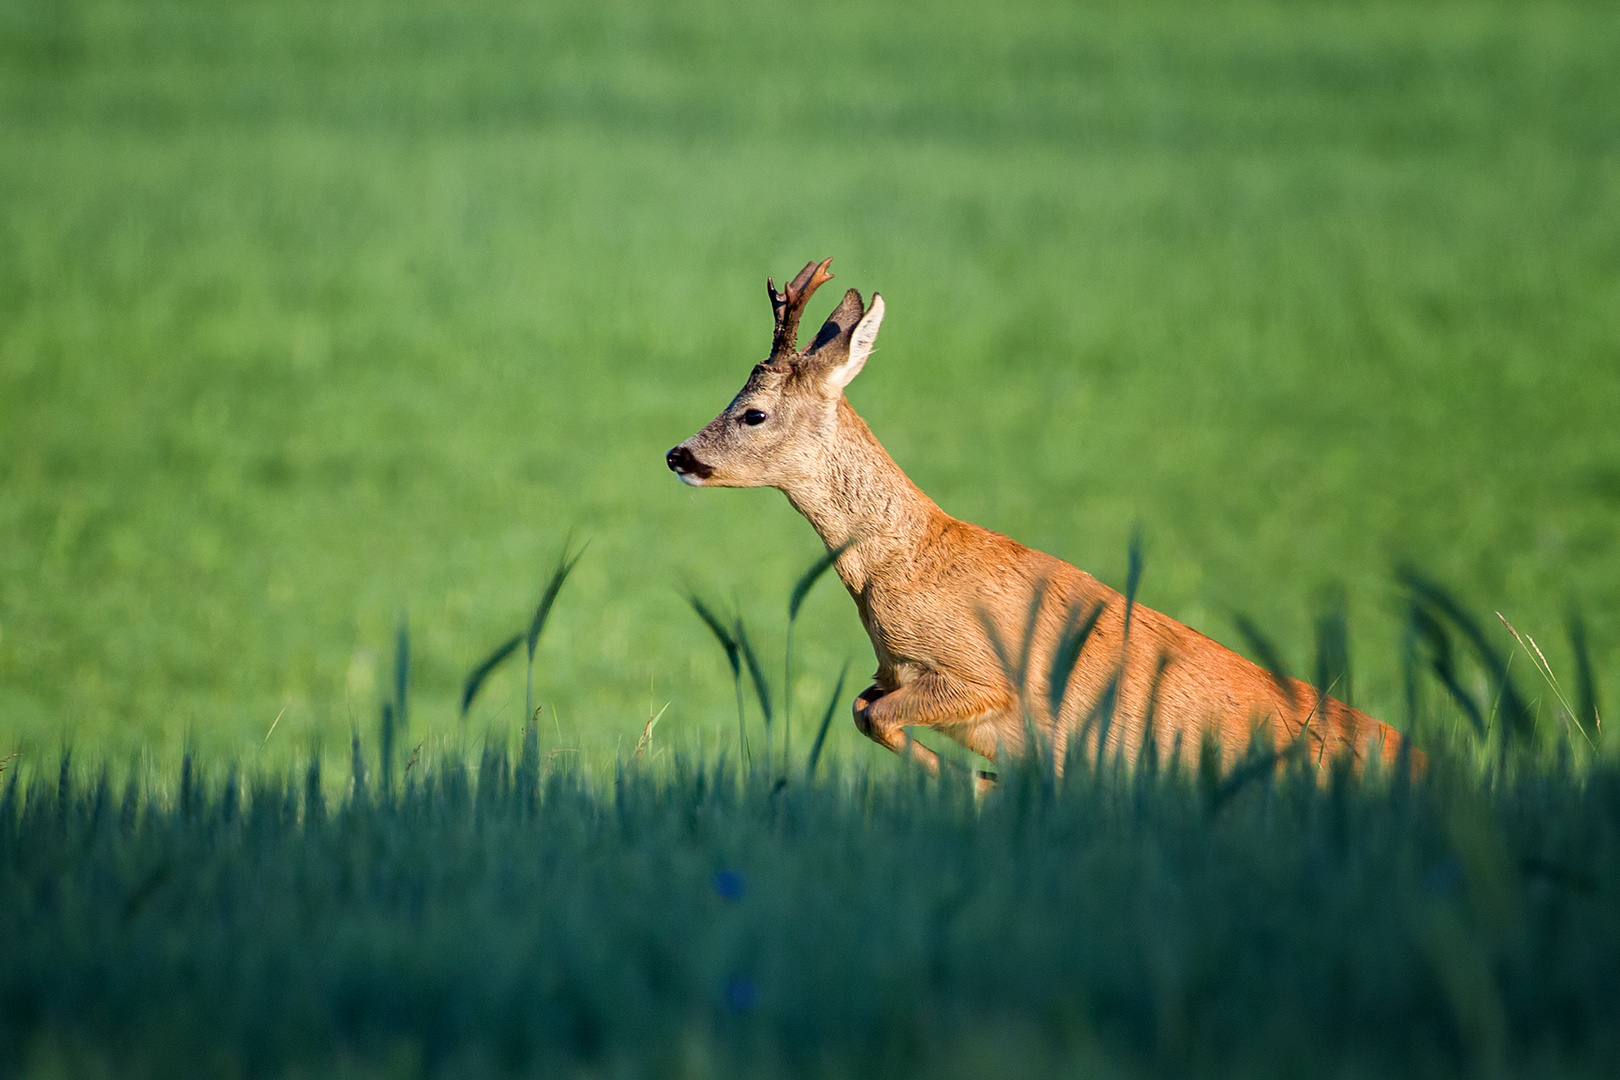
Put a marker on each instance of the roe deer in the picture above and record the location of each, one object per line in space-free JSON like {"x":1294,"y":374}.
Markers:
{"x":977,"y":636}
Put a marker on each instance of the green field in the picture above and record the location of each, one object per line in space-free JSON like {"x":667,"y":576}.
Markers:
{"x":313,"y":316}
{"x":320,"y":321}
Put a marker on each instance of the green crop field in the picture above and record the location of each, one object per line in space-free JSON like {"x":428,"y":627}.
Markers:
{"x":316,"y":316}
{"x":320,"y":322}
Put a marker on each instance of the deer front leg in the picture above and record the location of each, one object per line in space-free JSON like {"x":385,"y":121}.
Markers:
{"x":930,"y":700}
{"x":882,"y":728}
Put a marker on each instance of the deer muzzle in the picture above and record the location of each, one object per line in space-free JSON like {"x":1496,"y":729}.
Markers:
{"x":684,"y":464}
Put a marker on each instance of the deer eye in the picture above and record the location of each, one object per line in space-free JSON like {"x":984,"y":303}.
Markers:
{"x":753,"y":418}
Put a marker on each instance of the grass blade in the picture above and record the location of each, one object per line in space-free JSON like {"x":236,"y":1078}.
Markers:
{"x":1147,"y":753}
{"x":718,"y":629}
{"x":1036,"y":599}
{"x":1538,"y":660}
{"x":1100,"y":715}
{"x":385,"y":749}
{"x":1105,"y":717}
{"x":1133,"y":575}
{"x":1410,"y":685}
{"x":542,"y":612}
{"x":826,"y":722}
{"x":1255,"y":767}
{"x":1517,"y":721}
{"x":1266,"y":653}
{"x":475,"y":681}
{"x":762,"y":686}
{"x":267,"y":734}
{"x":357,"y":769}
{"x":644,"y":743}
{"x":1586,"y":691}
{"x":1333,"y":650}
{"x":756,"y":673}
{"x":1071,"y":641}
{"x":1428,"y":629}
{"x":808,"y":579}
{"x":1000,"y":647}
{"x":1016,"y":671}
{"x":402,"y":671}
{"x":801,"y":589}
{"x":729,"y":644}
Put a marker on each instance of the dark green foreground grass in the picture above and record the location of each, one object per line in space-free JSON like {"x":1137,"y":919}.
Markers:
{"x":519,"y":920}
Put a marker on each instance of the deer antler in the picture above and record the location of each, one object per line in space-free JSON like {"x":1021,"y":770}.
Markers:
{"x":789,"y":305}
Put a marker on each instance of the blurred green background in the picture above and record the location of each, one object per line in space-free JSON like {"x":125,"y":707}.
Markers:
{"x":318,"y":315}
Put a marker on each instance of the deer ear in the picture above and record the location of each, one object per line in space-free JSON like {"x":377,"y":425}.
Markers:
{"x":861,"y":339}
{"x":834,"y":333}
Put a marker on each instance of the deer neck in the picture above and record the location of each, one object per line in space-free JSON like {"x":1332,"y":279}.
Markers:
{"x":855,"y":494}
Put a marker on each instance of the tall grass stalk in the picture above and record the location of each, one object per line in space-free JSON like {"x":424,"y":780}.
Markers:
{"x":485,"y":668}
{"x":1427,"y":629}
{"x":1266,"y":652}
{"x":1133,"y":575}
{"x":728,"y":643}
{"x":1538,"y":660}
{"x":1429,"y":604}
{"x":402,"y":672}
{"x":395,"y":712}
{"x":1586,"y":690}
{"x":530,"y":638}
{"x":1071,"y":643}
{"x":277,"y":720}
{"x":1333,"y":649}
{"x":801,"y":589}
{"x":762,"y":684}
{"x":542,"y":611}
{"x":826,"y":723}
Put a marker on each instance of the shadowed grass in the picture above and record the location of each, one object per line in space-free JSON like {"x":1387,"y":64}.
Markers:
{"x":526,"y":918}
{"x":1015,"y":665}
{"x":504,"y":917}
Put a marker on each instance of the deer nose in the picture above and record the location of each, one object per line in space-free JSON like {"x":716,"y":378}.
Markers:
{"x":683,"y":463}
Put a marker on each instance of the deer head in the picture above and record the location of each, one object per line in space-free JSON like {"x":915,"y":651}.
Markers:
{"x":784,"y":420}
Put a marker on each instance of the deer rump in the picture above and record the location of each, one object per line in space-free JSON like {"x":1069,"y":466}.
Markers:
{"x":976,"y":635}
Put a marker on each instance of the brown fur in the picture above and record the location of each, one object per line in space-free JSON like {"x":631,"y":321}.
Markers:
{"x":937,"y":594}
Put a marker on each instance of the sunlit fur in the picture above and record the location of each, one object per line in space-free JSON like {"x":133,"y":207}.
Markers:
{"x":937,"y":595}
